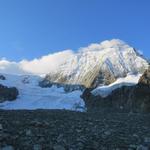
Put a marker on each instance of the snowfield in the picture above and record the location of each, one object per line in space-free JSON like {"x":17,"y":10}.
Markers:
{"x":129,"y":80}
{"x":31,"y":96}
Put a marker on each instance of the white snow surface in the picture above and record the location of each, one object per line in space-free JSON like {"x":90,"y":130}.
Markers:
{"x":31,"y":96}
{"x":105,"y":90}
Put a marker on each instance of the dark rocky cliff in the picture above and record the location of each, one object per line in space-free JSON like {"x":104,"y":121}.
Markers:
{"x":125,"y":99}
{"x":8,"y":93}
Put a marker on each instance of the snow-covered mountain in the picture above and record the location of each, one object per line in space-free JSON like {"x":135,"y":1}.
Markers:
{"x":104,"y":67}
{"x":99,"y":64}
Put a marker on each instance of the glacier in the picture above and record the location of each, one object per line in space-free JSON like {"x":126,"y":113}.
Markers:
{"x":32,"y":96}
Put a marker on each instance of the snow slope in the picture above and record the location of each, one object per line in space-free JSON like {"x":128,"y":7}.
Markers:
{"x":31,"y":96}
{"x":129,"y":80}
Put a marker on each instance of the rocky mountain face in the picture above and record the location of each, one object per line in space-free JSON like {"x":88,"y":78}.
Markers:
{"x":6,"y":93}
{"x":98,"y":64}
{"x":145,"y":79}
{"x":125,"y":99}
{"x":2,"y":77}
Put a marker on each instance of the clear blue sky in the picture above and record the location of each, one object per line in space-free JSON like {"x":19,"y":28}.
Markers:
{"x":32,"y":28}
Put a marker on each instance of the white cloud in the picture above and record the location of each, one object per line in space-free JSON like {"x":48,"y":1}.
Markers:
{"x":41,"y":65}
{"x":10,"y":67}
{"x":114,"y":43}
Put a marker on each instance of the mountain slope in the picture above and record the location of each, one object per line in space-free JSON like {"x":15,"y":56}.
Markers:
{"x":99,"y":64}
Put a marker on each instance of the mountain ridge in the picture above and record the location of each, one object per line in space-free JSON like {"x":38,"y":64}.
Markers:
{"x":99,"y":64}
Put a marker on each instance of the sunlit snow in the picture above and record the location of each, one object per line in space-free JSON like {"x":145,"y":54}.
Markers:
{"x":105,"y":90}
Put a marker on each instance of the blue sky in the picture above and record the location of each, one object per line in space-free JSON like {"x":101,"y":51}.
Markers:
{"x":32,"y":28}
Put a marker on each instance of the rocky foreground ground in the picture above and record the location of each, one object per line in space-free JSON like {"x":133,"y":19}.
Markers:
{"x":67,"y":130}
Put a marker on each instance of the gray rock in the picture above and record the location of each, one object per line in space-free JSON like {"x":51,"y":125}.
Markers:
{"x":8,"y":93}
{"x":60,"y":138}
{"x":133,"y":146}
{"x":1,"y":127}
{"x":37,"y":147}
{"x":95,"y":145}
{"x":147,"y":140}
{"x":9,"y":147}
{"x":28,"y":133}
{"x":107,"y":133}
{"x":2,"y":77}
{"x":145,"y":78}
{"x":58,"y":147}
{"x":78,"y":130}
{"x":141,"y":147}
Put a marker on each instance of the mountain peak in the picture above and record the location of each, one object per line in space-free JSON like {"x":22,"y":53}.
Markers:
{"x":107,"y":44}
{"x":112,"y":43}
{"x":100,"y":64}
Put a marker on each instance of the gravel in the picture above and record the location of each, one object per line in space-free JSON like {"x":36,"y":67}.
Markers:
{"x":68,"y":130}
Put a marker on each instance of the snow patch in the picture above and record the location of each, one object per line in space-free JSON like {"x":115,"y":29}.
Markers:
{"x":106,"y":90}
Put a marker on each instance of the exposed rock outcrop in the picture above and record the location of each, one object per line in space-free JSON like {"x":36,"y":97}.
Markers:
{"x":125,"y":99}
{"x":145,"y":79}
{"x":67,"y":87}
{"x":8,"y":93}
{"x":104,"y":78}
{"x":2,"y":77}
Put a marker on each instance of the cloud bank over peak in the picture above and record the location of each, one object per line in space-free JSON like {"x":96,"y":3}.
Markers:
{"x":114,"y":43}
{"x":51,"y":62}
{"x":10,"y":67}
{"x":37,"y":66}
{"x":46,"y":64}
